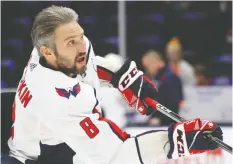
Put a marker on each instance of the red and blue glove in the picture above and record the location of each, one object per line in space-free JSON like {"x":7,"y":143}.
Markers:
{"x":186,"y":138}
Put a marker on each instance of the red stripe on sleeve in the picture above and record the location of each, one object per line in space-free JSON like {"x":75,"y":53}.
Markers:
{"x":104,"y":74}
{"x":121,"y":134}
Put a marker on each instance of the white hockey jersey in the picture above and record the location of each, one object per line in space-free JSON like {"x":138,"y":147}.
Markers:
{"x":54,"y":111}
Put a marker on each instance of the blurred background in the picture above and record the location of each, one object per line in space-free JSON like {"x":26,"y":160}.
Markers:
{"x":185,"y":48}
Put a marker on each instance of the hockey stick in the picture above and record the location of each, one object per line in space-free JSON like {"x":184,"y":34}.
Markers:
{"x":177,"y":118}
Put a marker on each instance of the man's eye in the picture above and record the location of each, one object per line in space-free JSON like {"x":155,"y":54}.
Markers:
{"x":71,"y":42}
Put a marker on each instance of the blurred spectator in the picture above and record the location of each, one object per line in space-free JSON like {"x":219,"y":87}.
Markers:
{"x":182,"y":68}
{"x":152,"y":63}
{"x":167,"y":82}
{"x":200,"y":72}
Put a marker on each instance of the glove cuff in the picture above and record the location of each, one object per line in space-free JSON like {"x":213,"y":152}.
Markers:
{"x":178,"y":142}
{"x":170,"y":139}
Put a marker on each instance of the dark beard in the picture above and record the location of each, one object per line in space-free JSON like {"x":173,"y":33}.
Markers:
{"x":68,"y":71}
{"x":71,"y":71}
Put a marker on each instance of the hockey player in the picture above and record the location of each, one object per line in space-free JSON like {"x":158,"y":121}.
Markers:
{"x":57,"y":108}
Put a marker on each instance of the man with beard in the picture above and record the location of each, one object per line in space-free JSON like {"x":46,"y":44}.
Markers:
{"x":57,"y":108}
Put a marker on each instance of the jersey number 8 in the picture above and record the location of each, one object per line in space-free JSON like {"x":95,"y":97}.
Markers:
{"x":88,"y":126}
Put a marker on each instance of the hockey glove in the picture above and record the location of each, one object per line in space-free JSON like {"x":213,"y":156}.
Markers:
{"x":186,"y":138}
{"x":134,"y":86}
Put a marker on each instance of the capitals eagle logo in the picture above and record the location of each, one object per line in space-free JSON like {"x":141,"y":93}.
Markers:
{"x":66,"y":93}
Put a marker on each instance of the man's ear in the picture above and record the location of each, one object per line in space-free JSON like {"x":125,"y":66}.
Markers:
{"x":46,"y":52}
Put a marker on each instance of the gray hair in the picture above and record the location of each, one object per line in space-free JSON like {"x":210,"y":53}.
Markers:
{"x":46,"y":22}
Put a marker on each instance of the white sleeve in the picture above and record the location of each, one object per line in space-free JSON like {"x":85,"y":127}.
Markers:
{"x":109,"y":63}
{"x":105,"y":69}
{"x":113,"y":103}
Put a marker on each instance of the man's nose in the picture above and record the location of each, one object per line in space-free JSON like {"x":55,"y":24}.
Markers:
{"x":83,"y":47}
